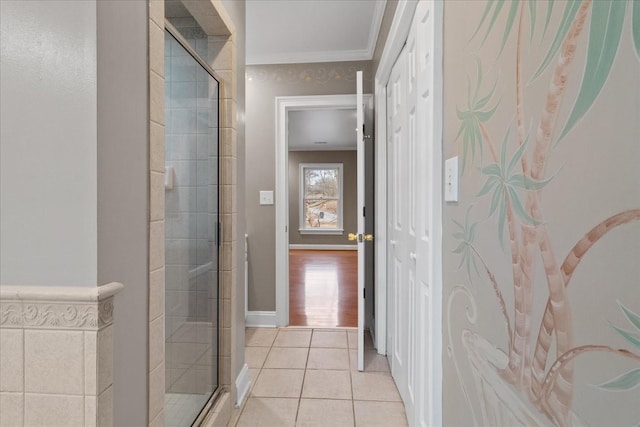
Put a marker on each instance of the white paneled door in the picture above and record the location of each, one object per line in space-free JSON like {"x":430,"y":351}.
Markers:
{"x":413,"y":166}
{"x":398,"y":251}
{"x":360,"y":178}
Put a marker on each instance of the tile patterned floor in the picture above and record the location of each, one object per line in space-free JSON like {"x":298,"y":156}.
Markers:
{"x":309,"y":377}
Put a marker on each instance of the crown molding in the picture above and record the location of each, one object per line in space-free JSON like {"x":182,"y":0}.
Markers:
{"x":365,"y":54}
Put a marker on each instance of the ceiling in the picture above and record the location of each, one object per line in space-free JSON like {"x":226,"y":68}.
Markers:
{"x":322,"y":130}
{"x":301,"y":31}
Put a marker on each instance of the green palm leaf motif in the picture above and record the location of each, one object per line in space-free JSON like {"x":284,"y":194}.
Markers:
{"x":633,"y":318}
{"x":477,"y":112}
{"x":532,"y":19}
{"x":607,"y":20}
{"x":570,"y":11}
{"x":497,"y":6}
{"x":466,"y":236}
{"x":503,"y":183}
{"x":513,"y":10}
{"x":626,"y":381}
{"x":548,"y":18}
{"x":630,"y":379}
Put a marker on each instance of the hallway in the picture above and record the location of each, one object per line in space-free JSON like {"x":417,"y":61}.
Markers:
{"x":308,"y":377}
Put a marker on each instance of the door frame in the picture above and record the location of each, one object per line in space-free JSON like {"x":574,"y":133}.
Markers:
{"x":396,"y":38}
{"x":284,"y":104}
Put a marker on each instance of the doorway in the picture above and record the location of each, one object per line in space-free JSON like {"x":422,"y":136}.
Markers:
{"x":306,"y":217}
{"x":322,"y":196}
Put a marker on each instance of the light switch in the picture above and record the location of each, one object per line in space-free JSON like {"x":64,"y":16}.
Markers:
{"x":451,"y":180}
{"x":266,"y":197}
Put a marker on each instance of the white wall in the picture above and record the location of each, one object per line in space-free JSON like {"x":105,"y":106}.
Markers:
{"x":48,"y":172}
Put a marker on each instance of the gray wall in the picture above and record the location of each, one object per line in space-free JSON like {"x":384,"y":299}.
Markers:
{"x":349,"y":189}
{"x":123,"y":213}
{"x":264,"y":83}
{"x":48,"y":143}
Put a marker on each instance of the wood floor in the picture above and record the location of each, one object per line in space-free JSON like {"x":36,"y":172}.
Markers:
{"x":323,"y":288}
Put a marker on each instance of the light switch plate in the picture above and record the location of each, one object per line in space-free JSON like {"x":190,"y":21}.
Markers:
{"x":451,"y":180}
{"x":266,"y":197}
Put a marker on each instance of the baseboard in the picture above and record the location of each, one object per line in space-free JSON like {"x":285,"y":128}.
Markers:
{"x":325,"y":247}
{"x":243,"y":382}
{"x":261,"y":319}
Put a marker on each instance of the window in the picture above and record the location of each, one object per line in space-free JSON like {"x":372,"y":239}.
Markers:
{"x":321,"y":198}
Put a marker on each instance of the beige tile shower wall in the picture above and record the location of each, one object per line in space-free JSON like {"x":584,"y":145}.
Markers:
{"x":223,"y":51}
{"x":224,"y":63}
{"x":156,"y":213}
{"x":56,"y":358}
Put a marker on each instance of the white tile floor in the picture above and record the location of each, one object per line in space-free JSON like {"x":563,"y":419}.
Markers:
{"x":309,"y":377}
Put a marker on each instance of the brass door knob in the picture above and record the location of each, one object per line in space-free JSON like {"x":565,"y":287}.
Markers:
{"x":352,"y":237}
{"x":368,"y":237}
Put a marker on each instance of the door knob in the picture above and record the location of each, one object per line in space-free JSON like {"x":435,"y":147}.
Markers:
{"x":352,"y":237}
{"x":368,"y":237}
{"x":393,"y":242}
{"x":412,"y":255}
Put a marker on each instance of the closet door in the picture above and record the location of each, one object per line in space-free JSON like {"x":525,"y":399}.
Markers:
{"x":427,"y":204}
{"x":414,"y":157}
{"x":398,"y":232}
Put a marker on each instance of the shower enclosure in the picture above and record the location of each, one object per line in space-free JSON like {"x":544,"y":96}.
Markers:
{"x":192,"y":223}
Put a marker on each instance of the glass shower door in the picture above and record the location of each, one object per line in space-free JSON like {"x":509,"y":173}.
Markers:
{"x":191,"y":231}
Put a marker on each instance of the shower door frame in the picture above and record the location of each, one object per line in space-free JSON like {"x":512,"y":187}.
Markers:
{"x":175,"y":33}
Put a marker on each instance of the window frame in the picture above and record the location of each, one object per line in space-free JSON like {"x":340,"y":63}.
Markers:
{"x":303,"y":228}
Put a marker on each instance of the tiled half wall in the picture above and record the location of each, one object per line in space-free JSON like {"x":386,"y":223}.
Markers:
{"x":56,"y":355}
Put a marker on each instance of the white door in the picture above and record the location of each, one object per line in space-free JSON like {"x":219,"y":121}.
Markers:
{"x":427,"y":168}
{"x":398,"y":251}
{"x":414,"y":182}
{"x":360,"y":212}
{"x":369,"y":223}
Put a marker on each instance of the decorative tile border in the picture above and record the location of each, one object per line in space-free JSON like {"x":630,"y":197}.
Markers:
{"x":10,"y":314}
{"x":57,"y":307}
{"x":60,"y":316}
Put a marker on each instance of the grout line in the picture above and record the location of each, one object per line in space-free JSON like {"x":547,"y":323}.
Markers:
{"x":353,"y":404}
{"x":264,"y":362}
{"x":84,"y":376}
{"x":304,"y":376}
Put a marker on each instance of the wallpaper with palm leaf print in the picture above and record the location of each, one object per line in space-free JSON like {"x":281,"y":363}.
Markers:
{"x":542,"y":251}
